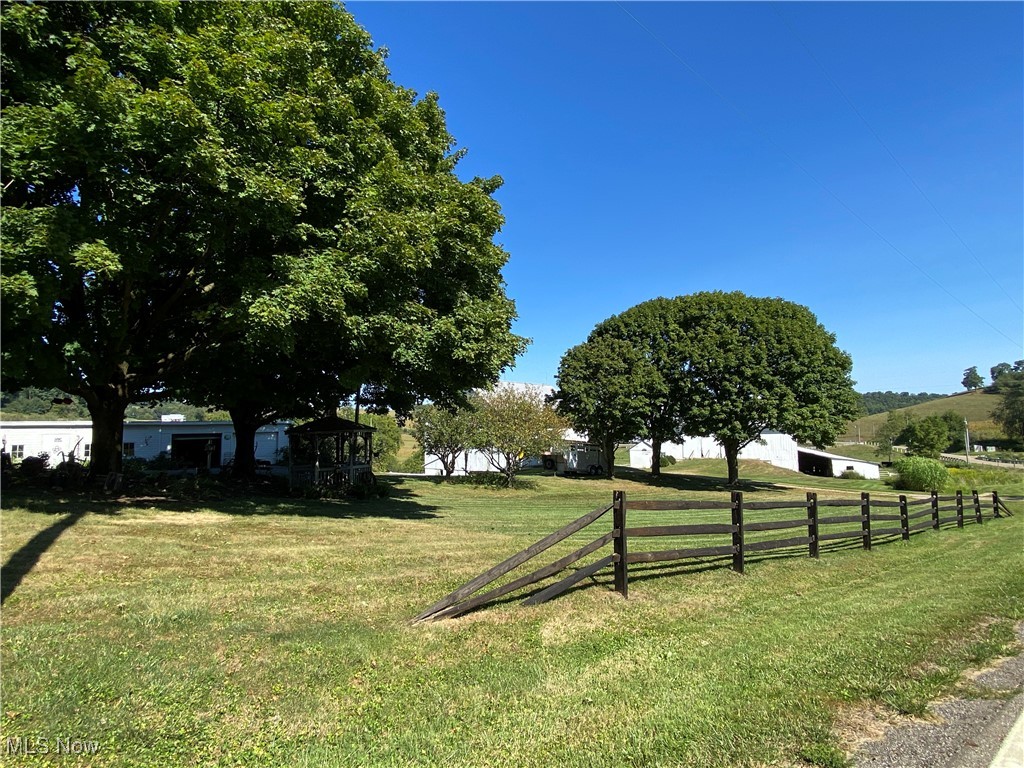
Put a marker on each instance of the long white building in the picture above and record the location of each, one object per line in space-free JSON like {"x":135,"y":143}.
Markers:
{"x":193,"y":443}
{"x":776,"y":448}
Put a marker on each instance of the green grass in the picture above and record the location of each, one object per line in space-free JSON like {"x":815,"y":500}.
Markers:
{"x":976,"y":407}
{"x":266,"y":633}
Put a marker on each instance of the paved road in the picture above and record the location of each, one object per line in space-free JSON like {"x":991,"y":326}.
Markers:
{"x":969,"y":733}
{"x":977,"y":461}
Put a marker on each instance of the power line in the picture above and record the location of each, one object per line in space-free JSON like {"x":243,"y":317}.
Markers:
{"x":807,"y":173}
{"x":900,"y":165}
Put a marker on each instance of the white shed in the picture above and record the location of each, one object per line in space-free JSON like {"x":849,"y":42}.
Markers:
{"x":815,"y":462}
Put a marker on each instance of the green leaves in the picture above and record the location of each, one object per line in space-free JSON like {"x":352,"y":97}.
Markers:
{"x":188,"y":181}
{"x":711,"y":364}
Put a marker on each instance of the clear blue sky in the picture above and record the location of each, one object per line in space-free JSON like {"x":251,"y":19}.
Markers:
{"x":863,"y":159}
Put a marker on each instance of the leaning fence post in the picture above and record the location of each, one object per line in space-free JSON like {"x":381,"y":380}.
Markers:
{"x":904,"y":519}
{"x":737,"y":534}
{"x":935,"y":510}
{"x":977,"y":506}
{"x":619,"y":543}
{"x":959,"y":509}
{"x":812,"y":523}
{"x":995,"y":504}
{"x":865,"y":520}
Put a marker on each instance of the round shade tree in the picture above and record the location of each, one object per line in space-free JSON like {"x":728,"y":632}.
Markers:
{"x":746,"y":365}
{"x":603,"y":390}
{"x":194,"y":191}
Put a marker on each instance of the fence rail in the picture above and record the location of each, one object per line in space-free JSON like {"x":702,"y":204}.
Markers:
{"x":743,"y":533}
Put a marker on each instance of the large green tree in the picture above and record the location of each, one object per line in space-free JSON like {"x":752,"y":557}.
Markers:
{"x":1009,"y":414}
{"x":603,"y":389}
{"x":194,"y":186}
{"x":972,"y":380}
{"x":753,"y":364}
{"x":650,"y":331}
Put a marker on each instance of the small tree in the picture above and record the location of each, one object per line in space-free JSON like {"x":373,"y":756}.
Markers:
{"x":889,"y":433}
{"x":512,"y":424}
{"x":443,"y":433}
{"x":972,"y":379}
{"x":934,"y":434}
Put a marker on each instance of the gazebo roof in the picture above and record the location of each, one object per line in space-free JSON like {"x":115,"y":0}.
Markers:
{"x":329,"y":425}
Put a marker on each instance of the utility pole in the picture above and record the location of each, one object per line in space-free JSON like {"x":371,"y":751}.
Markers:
{"x":967,"y":441}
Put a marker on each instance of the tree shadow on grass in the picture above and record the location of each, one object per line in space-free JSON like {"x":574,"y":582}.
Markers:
{"x":22,"y":561}
{"x":681,"y":482}
{"x":400,"y":504}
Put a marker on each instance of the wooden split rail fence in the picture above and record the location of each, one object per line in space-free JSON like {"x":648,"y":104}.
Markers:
{"x":850,"y":521}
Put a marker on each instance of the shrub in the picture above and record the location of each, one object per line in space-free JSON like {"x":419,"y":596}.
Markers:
{"x":666,"y":460}
{"x":851,"y":475}
{"x":920,"y":474}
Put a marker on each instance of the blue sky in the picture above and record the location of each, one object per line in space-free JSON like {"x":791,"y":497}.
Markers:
{"x":863,"y":159}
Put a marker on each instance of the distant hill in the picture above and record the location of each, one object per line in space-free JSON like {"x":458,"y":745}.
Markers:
{"x":975,"y":406}
{"x":880,"y":402}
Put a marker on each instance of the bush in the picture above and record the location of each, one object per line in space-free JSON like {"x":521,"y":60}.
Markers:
{"x":666,"y":460}
{"x":920,"y":474}
{"x":851,"y":475}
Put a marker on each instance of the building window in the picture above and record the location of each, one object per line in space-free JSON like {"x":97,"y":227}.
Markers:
{"x":17,"y":451}
{"x":87,"y":451}
{"x":128,"y":450}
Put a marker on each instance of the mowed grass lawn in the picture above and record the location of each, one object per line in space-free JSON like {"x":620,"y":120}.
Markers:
{"x":265,"y":633}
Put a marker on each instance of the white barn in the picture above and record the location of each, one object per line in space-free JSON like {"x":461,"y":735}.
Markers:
{"x":776,"y":448}
{"x":815,"y":462}
{"x":192,"y":442}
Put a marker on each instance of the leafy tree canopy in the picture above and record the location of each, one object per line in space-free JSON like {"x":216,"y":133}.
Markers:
{"x":512,"y":424}
{"x":650,"y":337}
{"x":185,"y":183}
{"x":1009,"y":414}
{"x":604,"y":388}
{"x":972,"y":379}
{"x":443,"y":433}
{"x":754,"y":364}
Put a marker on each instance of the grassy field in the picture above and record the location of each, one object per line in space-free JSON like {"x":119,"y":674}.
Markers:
{"x":976,"y":407}
{"x":264,"y":633}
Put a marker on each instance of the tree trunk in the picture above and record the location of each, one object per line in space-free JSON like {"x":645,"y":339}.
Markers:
{"x":245,"y":422}
{"x":448,"y":462}
{"x":106,"y":405}
{"x":655,"y":457}
{"x":609,"y":457}
{"x":732,"y":459}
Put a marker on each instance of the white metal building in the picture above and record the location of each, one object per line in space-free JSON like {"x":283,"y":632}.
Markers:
{"x":192,"y":442}
{"x":776,"y":448}
{"x":815,"y":462}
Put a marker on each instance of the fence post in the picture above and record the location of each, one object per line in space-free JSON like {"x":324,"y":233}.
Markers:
{"x":619,"y":543}
{"x":904,"y":519}
{"x":935,"y":510}
{"x":995,"y":504}
{"x":865,"y":519}
{"x":737,"y":536}
{"x":959,"y":509}
{"x":977,"y":506}
{"x":812,"y":523}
